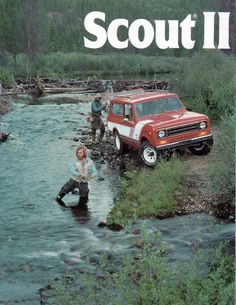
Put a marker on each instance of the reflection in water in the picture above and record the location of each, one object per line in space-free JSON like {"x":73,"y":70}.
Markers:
{"x":81,"y":213}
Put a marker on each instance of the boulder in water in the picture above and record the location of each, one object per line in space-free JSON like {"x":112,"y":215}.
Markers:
{"x":3,"y":137}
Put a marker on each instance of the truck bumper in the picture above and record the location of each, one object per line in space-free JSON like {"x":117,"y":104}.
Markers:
{"x":184,"y":144}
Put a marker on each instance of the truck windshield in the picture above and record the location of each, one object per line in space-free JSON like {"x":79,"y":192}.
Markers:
{"x":158,"y":106}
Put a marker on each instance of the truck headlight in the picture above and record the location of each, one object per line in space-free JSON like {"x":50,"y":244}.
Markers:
{"x":161,"y":134}
{"x":203,"y":125}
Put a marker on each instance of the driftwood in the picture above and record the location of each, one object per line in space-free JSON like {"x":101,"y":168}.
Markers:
{"x":66,"y":90}
{"x":37,"y":87}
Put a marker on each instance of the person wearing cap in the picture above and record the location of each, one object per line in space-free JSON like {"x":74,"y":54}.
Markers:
{"x":97,"y":123}
{"x":82,"y":170}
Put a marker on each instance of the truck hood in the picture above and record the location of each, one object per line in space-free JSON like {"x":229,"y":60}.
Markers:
{"x":171,"y":119}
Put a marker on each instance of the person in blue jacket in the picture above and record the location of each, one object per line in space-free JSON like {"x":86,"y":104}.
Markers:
{"x":97,"y":107}
{"x":82,"y":171}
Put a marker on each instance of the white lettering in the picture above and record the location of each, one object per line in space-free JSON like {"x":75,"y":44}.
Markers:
{"x":223,"y":31}
{"x":164,"y":38}
{"x":186,"y":25}
{"x":134,"y":33}
{"x":95,"y":29}
{"x":209,"y":32}
{"x":112,"y":33}
{"x":173,"y":41}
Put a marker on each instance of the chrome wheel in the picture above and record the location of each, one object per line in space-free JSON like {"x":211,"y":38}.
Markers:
{"x":150,"y":155}
{"x":199,"y":147}
{"x":117,"y":142}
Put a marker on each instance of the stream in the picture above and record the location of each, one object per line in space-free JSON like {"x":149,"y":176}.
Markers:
{"x":39,"y":239}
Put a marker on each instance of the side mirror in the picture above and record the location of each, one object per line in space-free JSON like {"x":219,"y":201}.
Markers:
{"x":188,"y":108}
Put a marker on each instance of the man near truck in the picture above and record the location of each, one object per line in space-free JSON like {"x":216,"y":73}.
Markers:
{"x":97,"y":123}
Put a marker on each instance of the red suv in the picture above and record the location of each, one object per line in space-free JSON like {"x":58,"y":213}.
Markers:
{"x":156,"y":123}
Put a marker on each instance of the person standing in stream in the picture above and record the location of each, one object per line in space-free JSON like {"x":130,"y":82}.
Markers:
{"x":97,"y":123}
{"x":82,"y":171}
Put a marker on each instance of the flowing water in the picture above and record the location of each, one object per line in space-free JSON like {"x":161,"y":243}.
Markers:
{"x":39,"y":240}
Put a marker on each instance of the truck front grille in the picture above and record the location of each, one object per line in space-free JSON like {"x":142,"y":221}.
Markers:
{"x":182,"y":129}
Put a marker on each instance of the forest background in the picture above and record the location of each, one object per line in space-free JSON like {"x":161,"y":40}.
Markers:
{"x":46,"y":37}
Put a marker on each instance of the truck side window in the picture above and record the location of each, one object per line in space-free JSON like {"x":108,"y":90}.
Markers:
{"x":174,"y":104}
{"x":117,"y":109}
{"x":128,"y":112}
{"x":139,"y":109}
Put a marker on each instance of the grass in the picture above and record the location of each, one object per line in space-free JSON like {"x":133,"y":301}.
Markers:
{"x":144,"y":278}
{"x":221,"y":169}
{"x":77,"y":64}
{"x":149,"y":192}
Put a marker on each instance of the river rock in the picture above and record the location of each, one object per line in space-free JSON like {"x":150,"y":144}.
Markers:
{"x":112,"y":226}
{"x":100,"y":276}
{"x":115,"y":227}
{"x":3,"y":137}
{"x":69,"y":262}
{"x":136,"y":231}
{"x":102,"y":224}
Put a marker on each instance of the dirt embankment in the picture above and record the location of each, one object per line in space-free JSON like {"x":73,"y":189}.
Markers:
{"x":199,"y":194}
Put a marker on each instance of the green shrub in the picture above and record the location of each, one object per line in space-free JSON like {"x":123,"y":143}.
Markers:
{"x":208,"y":78}
{"x":149,"y":192}
{"x":79,"y":64}
{"x":144,"y":278}
{"x":5,"y":78}
{"x":222,"y":166}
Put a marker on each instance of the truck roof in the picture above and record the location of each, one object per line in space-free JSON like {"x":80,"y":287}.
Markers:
{"x":133,"y":97}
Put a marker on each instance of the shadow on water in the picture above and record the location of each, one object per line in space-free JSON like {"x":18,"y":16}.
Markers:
{"x":81,"y":213}
{"x":79,"y":210}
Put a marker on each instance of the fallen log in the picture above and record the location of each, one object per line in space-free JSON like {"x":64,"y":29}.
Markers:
{"x":90,"y":85}
{"x":68,"y":90}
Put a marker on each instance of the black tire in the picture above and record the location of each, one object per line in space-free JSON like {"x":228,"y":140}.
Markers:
{"x":201,"y":149}
{"x":148,"y":154}
{"x":120,"y":147}
{"x":180,"y":152}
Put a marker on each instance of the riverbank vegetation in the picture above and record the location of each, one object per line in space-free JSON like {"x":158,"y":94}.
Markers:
{"x":207,"y":83}
{"x":149,"y":192}
{"x":68,"y":65}
{"x":166,"y":190}
{"x":222,"y":165}
{"x":144,"y":277}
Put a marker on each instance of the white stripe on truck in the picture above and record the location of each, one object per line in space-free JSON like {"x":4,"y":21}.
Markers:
{"x":127,"y":131}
